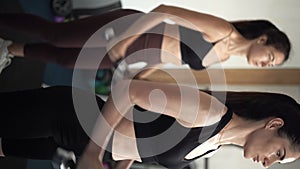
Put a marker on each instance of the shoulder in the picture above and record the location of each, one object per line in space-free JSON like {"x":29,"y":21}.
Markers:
{"x":215,"y":113}
{"x":212,"y":110}
{"x":219,"y":31}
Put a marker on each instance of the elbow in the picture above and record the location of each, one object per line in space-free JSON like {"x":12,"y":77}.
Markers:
{"x":166,"y":14}
{"x":132,"y":97}
{"x":162,"y":8}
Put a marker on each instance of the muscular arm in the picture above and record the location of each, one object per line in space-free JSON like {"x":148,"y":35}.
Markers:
{"x":213,"y":28}
{"x":191,"y":107}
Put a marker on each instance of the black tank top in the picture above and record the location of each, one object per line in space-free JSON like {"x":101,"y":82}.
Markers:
{"x":162,"y":140}
{"x":193,"y":48}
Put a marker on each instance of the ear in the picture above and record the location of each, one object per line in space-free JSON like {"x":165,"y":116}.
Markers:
{"x":262,"y":39}
{"x":275,"y":123}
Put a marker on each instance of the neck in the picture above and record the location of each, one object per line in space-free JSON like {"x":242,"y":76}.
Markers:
{"x":239,"y":46}
{"x":238,"y":125}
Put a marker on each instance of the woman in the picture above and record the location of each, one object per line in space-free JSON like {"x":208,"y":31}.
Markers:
{"x":193,"y":38}
{"x":179,"y":131}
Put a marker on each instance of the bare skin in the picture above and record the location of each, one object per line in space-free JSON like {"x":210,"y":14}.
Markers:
{"x":16,"y":49}
{"x":215,"y":30}
{"x":1,"y":151}
{"x":228,"y":41}
{"x":250,"y":132}
{"x":204,"y":23}
{"x":114,"y":111}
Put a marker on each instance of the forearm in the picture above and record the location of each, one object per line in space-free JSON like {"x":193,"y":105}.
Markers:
{"x":113,"y":111}
{"x":147,"y":72}
{"x":111,"y":114}
{"x":146,"y":22}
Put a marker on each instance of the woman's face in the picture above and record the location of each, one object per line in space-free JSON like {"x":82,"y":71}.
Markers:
{"x":265,"y":146}
{"x":264,"y":56}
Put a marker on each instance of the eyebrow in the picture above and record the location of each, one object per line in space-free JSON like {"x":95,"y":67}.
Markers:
{"x":284,"y":153}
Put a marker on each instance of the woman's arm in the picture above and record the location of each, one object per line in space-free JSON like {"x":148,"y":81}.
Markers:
{"x":213,"y":28}
{"x":186,"y":104}
{"x":124,"y":164}
{"x":191,"y":108}
{"x":113,"y":111}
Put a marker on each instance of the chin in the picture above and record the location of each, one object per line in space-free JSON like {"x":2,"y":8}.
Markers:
{"x":250,"y":62}
{"x":247,"y":153}
{"x":249,"y":156}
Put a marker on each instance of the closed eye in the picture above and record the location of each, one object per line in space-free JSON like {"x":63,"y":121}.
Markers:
{"x":271,"y":60}
{"x":271,"y":57}
{"x":278,"y":153}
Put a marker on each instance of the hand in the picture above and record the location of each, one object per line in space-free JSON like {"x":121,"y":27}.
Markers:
{"x":117,"y":49}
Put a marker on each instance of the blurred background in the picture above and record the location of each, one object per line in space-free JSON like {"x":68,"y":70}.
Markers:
{"x":26,"y":74}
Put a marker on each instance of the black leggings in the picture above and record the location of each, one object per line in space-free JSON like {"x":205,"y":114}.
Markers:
{"x":63,"y":41}
{"x":34,"y":123}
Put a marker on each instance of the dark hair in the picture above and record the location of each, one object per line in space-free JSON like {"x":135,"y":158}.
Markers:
{"x":255,"y":28}
{"x":258,"y":106}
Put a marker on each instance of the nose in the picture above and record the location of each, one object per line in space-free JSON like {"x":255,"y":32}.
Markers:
{"x":262,"y":64}
{"x":265,"y":61}
{"x":268,"y":161}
